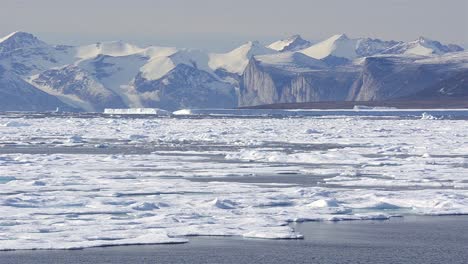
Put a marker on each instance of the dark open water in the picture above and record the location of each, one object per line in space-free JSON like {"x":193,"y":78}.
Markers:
{"x":430,"y":239}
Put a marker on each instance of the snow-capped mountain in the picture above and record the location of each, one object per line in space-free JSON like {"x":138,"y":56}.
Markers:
{"x":19,"y":40}
{"x":119,"y":74}
{"x":115,"y":49}
{"x":344,"y":47}
{"x":236,"y":60}
{"x":293,"y":43}
{"x":25,"y":54}
{"x":337,"y":45}
{"x":422,"y":46}
{"x":366,"y":47}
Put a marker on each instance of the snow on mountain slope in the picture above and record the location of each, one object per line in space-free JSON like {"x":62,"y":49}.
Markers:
{"x":291,"y":61}
{"x":156,"y":51}
{"x":19,"y":40}
{"x":423,"y":47}
{"x":16,"y":94}
{"x":74,"y":82}
{"x":185,"y":86}
{"x":114,"y":48}
{"x":236,"y":60}
{"x":25,"y":55}
{"x":293,"y":43}
{"x":337,"y":45}
{"x":157,"y":67}
{"x":368,"y":47}
{"x":117,"y":74}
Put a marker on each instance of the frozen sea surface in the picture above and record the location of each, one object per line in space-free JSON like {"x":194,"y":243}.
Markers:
{"x":89,"y":180}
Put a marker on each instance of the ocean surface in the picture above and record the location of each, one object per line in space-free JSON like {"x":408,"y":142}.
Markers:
{"x":415,"y":240}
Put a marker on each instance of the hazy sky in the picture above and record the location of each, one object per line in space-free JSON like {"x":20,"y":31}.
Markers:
{"x":224,"y":24}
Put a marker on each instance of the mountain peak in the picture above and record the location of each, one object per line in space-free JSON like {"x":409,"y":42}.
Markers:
{"x":19,"y":40}
{"x":252,"y":43}
{"x":342,"y":36}
{"x":295,"y":37}
{"x":293,"y":43}
{"x":337,"y":45}
{"x":422,"y":39}
{"x":19,"y":36}
{"x":111,"y":48}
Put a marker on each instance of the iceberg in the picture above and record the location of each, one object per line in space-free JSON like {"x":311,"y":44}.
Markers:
{"x":136,"y":111}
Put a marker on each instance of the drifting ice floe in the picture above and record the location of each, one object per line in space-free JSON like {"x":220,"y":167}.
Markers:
{"x":151,"y":182}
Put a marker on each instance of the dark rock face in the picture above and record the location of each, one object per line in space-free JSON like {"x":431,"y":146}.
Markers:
{"x":376,"y":79}
{"x":20,"y":40}
{"x":186,"y":87}
{"x":72,"y":80}
{"x":384,"y":78}
{"x":369,"y":47}
{"x":455,"y":86}
{"x":18,"y":95}
{"x":297,"y":43}
{"x":269,"y":85}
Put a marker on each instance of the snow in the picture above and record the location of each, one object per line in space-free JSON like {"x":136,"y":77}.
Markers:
{"x":337,"y":45}
{"x":114,"y":48}
{"x":116,"y":74}
{"x":281,"y":44}
{"x":155,"y":51}
{"x":292,"y":61}
{"x":8,"y":36}
{"x":142,"y":187}
{"x":419,"y":50}
{"x":236,"y":60}
{"x":292,"y":43}
{"x":422,"y":47}
{"x":158,"y":67}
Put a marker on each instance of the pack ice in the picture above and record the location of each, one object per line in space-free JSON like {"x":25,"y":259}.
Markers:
{"x":74,"y":182}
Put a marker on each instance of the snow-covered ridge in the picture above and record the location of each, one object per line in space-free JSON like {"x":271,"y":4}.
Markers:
{"x":422,"y":46}
{"x":291,"y":61}
{"x":117,"y":49}
{"x":8,"y":36}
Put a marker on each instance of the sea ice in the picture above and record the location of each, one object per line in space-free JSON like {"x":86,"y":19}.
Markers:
{"x":161,"y":179}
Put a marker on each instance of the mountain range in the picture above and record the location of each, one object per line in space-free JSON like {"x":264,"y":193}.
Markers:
{"x":37,"y":76}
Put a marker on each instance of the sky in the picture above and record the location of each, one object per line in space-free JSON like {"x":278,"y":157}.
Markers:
{"x":220,"y":25}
